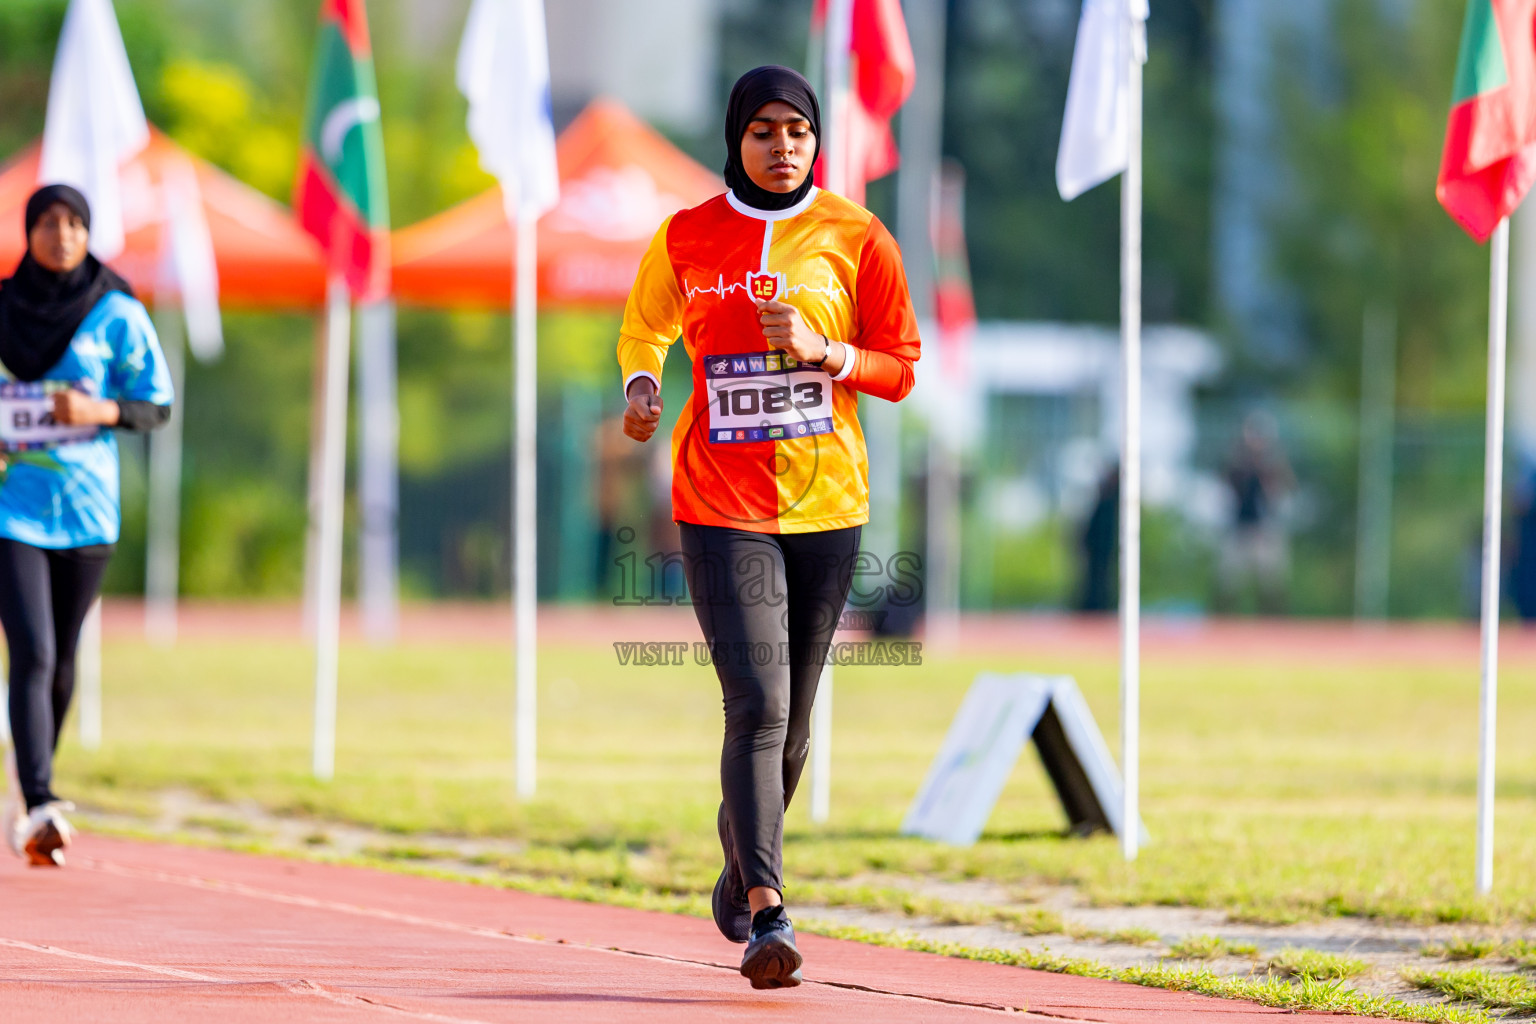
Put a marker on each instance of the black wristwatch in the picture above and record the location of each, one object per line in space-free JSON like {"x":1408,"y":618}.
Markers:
{"x":817,"y":363}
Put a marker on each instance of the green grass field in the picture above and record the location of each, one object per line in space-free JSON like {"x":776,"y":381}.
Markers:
{"x":1275,"y":791}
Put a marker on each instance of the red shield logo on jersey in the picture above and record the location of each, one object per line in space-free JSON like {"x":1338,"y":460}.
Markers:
{"x":765,"y":287}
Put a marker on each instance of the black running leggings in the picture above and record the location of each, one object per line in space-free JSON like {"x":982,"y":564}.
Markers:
{"x":44,"y":597}
{"x":768,"y":604}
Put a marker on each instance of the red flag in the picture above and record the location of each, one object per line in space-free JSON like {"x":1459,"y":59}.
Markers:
{"x":954,"y":305}
{"x":881,"y":73}
{"x":1489,"y":160}
{"x":340,"y":196}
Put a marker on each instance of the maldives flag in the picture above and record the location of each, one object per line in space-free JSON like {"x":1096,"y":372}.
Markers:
{"x":1489,"y":161}
{"x":340,"y":195}
{"x":881,"y":73}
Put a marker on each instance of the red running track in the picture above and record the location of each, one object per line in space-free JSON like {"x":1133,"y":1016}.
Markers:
{"x":145,"y":932}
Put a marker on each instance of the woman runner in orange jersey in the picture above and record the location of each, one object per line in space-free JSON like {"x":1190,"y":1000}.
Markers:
{"x":790,"y":301}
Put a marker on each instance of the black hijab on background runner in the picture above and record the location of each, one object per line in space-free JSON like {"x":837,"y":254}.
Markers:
{"x":40,"y":311}
{"x":753,"y":89}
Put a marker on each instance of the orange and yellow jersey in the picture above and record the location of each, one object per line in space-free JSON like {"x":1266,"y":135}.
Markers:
{"x":767,"y":444}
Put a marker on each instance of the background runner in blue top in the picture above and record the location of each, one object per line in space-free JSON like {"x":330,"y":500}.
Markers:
{"x":67,"y":496}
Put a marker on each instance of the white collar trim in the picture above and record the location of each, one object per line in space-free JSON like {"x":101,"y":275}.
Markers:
{"x":771,"y":215}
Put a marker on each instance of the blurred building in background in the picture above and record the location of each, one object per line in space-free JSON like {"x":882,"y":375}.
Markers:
{"x":660,"y":56}
{"x":1042,"y":431}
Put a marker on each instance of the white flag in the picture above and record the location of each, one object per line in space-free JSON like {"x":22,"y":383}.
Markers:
{"x":95,"y":121}
{"x":1094,"y":131}
{"x":504,"y":73}
{"x":189,"y":266}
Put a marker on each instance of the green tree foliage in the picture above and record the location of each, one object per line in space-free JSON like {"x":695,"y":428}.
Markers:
{"x":28,"y":31}
{"x":213,"y":111}
{"x":1364,"y":226}
{"x":29,"y":34}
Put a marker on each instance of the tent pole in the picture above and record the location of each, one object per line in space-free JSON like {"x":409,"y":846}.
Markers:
{"x":525,"y":501}
{"x":1130,"y":462}
{"x":333,"y":465}
{"x":1493,"y":502}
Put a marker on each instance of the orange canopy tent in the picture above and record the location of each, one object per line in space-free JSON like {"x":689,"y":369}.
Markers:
{"x":265,"y":260}
{"x":619,"y":179}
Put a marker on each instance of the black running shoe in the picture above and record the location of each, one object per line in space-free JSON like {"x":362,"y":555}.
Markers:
{"x":733,"y":914}
{"x":771,"y":960}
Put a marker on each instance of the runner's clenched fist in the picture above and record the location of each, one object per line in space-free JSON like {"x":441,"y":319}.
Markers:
{"x":786,"y":330}
{"x":644,"y":411}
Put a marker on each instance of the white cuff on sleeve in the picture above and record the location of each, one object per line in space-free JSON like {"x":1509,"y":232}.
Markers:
{"x":640,"y":373}
{"x":850,"y":356}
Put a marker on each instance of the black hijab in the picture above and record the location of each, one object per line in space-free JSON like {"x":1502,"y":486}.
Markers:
{"x":40,"y":311}
{"x":753,"y":89}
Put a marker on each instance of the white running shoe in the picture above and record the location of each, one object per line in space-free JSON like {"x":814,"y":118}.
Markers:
{"x":13,"y":820}
{"x":48,"y":835}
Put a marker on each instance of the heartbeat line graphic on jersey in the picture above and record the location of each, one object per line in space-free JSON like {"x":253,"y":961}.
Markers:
{"x":831,"y":289}
{"x":719,"y":288}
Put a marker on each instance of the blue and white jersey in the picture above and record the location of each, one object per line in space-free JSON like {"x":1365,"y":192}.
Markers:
{"x":64,"y":493}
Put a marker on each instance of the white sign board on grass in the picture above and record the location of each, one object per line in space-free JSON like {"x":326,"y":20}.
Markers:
{"x":999,"y":714}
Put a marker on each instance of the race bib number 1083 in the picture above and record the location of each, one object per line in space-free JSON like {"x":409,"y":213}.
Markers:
{"x":26,"y":417}
{"x":765,"y":396}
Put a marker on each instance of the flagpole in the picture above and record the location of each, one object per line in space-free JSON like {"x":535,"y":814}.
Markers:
{"x":378,"y":472}
{"x":333,"y":463}
{"x":88,"y":665}
{"x":525,"y":501}
{"x":1373,"y":515}
{"x":1130,"y":461}
{"x":162,"y":555}
{"x":838,"y":38}
{"x":1493,"y":501}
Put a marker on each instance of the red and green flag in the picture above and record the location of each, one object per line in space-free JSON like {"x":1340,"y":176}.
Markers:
{"x":1489,"y":161}
{"x":340,"y":196}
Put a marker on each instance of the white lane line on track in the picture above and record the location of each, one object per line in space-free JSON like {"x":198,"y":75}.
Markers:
{"x":310,"y":902}
{"x":69,"y":954}
{"x":302,"y":987}
{"x":309,"y":988}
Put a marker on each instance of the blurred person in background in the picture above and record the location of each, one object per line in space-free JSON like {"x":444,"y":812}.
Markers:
{"x":1521,"y":545}
{"x":1099,"y":542}
{"x":78,"y":356}
{"x":1256,"y":547}
{"x":791,"y":301}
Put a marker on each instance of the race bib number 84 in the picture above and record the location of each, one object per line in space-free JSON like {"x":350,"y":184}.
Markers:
{"x":26,"y":417}
{"x":765,"y":396}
